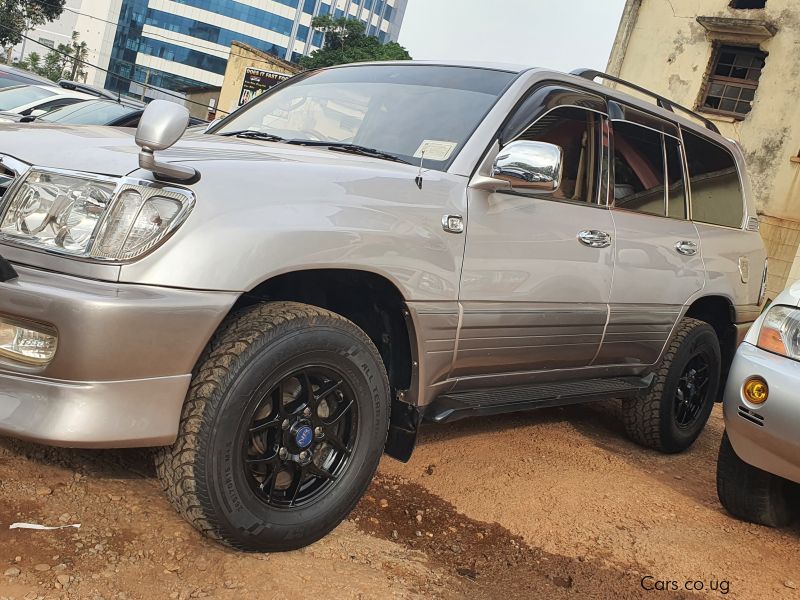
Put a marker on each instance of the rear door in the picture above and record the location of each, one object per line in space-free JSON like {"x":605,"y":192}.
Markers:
{"x":658,"y":264}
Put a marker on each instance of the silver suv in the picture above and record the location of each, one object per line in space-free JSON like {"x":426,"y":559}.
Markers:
{"x":276,"y":302}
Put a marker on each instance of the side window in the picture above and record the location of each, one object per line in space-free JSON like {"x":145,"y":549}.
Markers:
{"x":639,"y":169}
{"x":577,"y":132}
{"x":52,"y":105}
{"x":714,"y":180}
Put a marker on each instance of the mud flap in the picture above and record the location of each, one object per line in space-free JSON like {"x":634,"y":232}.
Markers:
{"x":403,"y":427}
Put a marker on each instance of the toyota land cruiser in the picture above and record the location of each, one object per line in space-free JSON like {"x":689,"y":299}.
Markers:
{"x":279,"y":300}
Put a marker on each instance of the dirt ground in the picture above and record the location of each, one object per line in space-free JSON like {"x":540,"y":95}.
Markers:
{"x":548,"y":504}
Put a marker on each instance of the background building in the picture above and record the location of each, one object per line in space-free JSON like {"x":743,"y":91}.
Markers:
{"x":736,"y":61}
{"x":94,"y":20}
{"x":174,"y":44}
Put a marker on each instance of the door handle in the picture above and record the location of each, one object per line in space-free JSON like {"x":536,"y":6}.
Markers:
{"x":594,"y":238}
{"x":686,"y":248}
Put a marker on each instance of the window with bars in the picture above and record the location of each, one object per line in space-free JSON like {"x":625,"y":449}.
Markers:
{"x":734,"y":77}
{"x":748,"y":4}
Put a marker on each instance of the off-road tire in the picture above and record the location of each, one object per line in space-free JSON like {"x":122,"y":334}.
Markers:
{"x":649,"y":418}
{"x":750,"y":494}
{"x":199,"y":471}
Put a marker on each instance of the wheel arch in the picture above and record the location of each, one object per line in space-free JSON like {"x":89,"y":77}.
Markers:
{"x":375,"y":304}
{"x":719,"y":312}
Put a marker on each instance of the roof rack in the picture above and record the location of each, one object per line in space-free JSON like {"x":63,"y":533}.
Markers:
{"x":665,"y":103}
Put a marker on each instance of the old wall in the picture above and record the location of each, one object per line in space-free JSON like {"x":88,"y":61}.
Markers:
{"x":668,"y":51}
{"x":243,"y":56}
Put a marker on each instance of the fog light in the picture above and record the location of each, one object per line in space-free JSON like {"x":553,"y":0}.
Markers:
{"x":756,"y":390}
{"x":27,"y":343}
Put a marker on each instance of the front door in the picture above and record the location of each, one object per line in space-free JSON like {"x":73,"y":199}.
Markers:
{"x":533,"y":295}
{"x":658,"y":266}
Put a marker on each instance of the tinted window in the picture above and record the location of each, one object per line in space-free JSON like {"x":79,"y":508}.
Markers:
{"x":93,"y":112}
{"x":576,"y":132}
{"x":51,"y":105}
{"x":639,"y":169}
{"x":714,"y":180}
{"x":14,"y":97}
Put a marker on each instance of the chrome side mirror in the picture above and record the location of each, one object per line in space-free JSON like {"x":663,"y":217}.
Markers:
{"x":161,"y":126}
{"x":530,"y":166}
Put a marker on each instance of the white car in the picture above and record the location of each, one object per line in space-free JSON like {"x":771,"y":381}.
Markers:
{"x":36,"y":100}
{"x":758,"y":472}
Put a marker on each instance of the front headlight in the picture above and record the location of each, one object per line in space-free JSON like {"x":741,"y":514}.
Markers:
{"x":92,"y":216}
{"x":780,"y":332}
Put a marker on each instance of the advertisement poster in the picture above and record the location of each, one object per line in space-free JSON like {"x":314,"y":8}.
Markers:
{"x":258,"y":81}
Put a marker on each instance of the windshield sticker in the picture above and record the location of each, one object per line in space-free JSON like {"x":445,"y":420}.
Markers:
{"x":435,"y":149}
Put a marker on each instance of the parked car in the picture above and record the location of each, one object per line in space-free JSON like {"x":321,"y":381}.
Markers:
{"x":279,"y":301}
{"x":758,"y":471}
{"x":11,"y":76}
{"x":37,"y":100}
{"x":93,"y":112}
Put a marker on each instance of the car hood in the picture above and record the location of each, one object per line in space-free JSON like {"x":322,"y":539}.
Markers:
{"x":113,"y":151}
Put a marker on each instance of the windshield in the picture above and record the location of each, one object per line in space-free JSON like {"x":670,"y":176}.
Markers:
{"x":14,"y":97}
{"x":399,"y":110}
{"x":92,"y":112}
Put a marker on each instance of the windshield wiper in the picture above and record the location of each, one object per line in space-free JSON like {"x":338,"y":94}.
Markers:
{"x":249,"y":134}
{"x":350,"y":148}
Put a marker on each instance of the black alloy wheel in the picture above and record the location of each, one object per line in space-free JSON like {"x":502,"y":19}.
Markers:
{"x":691,"y":392}
{"x":301,"y":437}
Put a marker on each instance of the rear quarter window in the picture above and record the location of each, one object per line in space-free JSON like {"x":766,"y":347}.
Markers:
{"x":717,"y":196}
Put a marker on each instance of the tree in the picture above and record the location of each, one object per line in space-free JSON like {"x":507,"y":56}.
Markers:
{"x":32,"y":63}
{"x":65,"y":61}
{"x":18,"y":16}
{"x":347,"y":42}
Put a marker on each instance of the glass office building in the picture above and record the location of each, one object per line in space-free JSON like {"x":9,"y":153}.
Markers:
{"x":174,"y":44}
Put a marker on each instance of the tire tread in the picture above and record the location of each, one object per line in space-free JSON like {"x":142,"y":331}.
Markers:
{"x":181,"y":468}
{"x":641,"y":416}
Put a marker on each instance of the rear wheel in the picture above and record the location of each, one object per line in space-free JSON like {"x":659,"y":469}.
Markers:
{"x":749,"y":493}
{"x":671,"y":414}
{"x":282,"y":430}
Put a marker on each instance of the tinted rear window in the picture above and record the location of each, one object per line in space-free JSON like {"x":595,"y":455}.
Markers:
{"x":92,"y":112}
{"x":716,"y":190}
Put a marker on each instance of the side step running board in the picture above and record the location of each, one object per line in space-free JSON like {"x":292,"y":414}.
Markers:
{"x":454,"y":406}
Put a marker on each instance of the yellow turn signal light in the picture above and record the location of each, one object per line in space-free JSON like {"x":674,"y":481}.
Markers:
{"x":755,"y":390}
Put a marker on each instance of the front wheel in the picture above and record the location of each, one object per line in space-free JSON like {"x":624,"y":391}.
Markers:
{"x":282,"y":429}
{"x":671,"y":414}
{"x":750,"y":494}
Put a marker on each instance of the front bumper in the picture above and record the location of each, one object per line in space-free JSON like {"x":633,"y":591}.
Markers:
{"x":766,"y":436}
{"x":123,"y":365}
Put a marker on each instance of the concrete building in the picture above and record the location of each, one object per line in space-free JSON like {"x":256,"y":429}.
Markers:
{"x":736,"y":61}
{"x":94,"y":20}
{"x":174,"y":44}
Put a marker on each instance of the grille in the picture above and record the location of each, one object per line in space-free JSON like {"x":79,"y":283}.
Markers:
{"x":751,"y":416}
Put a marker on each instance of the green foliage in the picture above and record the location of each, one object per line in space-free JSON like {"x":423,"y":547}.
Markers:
{"x":18,"y":16}
{"x":66,"y":61}
{"x":346,"y":42}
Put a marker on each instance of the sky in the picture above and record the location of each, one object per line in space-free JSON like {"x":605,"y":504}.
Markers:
{"x":559,"y":34}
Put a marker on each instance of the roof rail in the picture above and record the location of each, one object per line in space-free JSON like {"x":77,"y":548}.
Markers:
{"x":665,"y":103}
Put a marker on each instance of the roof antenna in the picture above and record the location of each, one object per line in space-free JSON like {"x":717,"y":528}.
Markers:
{"x":418,"y":178}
